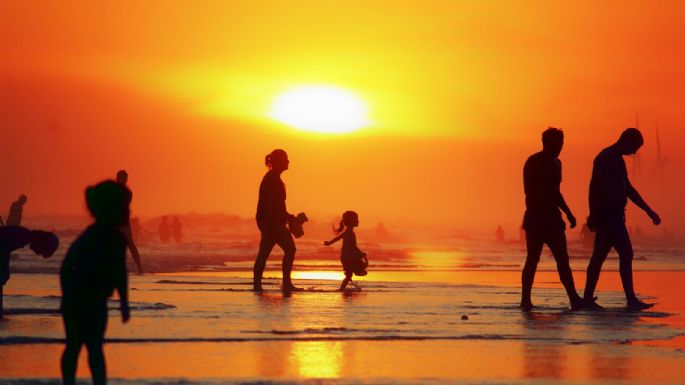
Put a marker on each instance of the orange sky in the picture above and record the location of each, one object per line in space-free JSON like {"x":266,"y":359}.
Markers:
{"x":457,"y":92}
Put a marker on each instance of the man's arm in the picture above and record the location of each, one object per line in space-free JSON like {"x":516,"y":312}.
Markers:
{"x":564,"y":207}
{"x":639,"y":202}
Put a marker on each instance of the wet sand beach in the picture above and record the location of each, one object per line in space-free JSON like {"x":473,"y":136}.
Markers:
{"x":456,"y":327}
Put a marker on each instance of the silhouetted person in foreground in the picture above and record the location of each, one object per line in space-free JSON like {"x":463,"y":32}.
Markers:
{"x":122,"y":178}
{"x":610,"y":190}
{"x":177,"y":230}
{"x":94,"y":266}
{"x":16,"y":211}
{"x":353,"y":260}
{"x":16,"y":237}
{"x":272,"y":218}
{"x":542,"y":221}
{"x":164,"y":230}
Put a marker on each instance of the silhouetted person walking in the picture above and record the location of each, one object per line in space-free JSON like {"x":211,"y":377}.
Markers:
{"x":499,"y":234}
{"x":164,"y":230}
{"x":16,"y":211}
{"x":272,"y":217}
{"x":353,"y":260}
{"x":542,"y":221}
{"x":122,"y":178}
{"x":16,"y":237}
{"x":610,"y":190}
{"x":177,"y":230}
{"x":94,"y":266}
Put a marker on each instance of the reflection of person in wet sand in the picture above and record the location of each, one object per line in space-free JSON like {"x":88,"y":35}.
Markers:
{"x":94,"y":266}
{"x":542,"y":220}
{"x":164,"y":230}
{"x":177,"y":230}
{"x":122,"y":178}
{"x":272,"y":217}
{"x":353,"y":260}
{"x":16,"y":211}
{"x":16,"y":237}
{"x":610,"y":190}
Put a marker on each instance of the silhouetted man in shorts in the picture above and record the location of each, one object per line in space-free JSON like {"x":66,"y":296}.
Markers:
{"x":122,"y":178}
{"x":542,"y":221}
{"x":610,"y":190}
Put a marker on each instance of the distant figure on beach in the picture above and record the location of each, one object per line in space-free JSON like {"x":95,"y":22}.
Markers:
{"x":353,"y":260}
{"x":93,"y":267}
{"x":499,"y":234}
{"x":122,"y":178}
{"x":542,"y":220}
{"x":177,"y":230}
{"x":610,"y":190}
{"x":136,"y":230}
{"x":272,"y":218}
{"x":16,"y":237}
{"x":587,"y":238}
{"x":16,"y":211}
{"x":164,"y":230}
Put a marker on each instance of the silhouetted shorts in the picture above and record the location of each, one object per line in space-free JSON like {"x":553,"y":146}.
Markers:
{"x":553,"y":237}
{"x":612,"y":232}
{"x":85,"y":324}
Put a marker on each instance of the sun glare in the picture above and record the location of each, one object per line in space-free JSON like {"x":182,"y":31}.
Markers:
{"x":320,"y":109}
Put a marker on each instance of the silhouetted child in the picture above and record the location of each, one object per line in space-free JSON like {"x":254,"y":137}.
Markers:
{"x":94,"y":266}
{"x":353,"y":260}
{"x":16,"y":237}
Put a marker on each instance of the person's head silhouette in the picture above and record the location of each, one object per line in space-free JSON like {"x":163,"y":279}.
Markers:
{"x":43,"y":243}
{"x":277,"y":160}
{"x":552,"y":141}
{"x":122,"y":176}
{"x":108,"y":203}
{"x":630,"y":141}
{"x":349,"y":220}
{"x":22,"y":199}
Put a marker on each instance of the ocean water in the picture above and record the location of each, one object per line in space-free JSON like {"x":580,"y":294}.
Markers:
{"x":453,"y":296}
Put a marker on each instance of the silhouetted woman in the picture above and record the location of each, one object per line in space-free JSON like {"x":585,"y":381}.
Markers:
{"x":94,"y":266}
{"x":272,"y":217}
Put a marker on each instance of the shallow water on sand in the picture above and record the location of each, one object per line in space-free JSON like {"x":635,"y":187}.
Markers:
{"x":194,"y":328}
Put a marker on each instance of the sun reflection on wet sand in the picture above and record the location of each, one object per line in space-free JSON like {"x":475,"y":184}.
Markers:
{"x":317,"y":359}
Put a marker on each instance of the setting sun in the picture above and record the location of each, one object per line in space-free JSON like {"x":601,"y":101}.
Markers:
{"x":320,"y":109}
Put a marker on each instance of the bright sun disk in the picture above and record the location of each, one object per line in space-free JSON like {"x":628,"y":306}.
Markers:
{"x":320,"y":109}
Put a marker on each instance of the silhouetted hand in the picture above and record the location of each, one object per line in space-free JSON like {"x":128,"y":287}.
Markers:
{"x":591,"y":224}
{"x":125,"y":312}
{"x":571,"y":220}
{"x":656,"y":219}
{"x":327,"y":243}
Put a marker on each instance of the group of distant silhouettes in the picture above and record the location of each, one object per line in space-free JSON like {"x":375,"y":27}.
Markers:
{"x":166,"y":231}
{"x":94,"y":265}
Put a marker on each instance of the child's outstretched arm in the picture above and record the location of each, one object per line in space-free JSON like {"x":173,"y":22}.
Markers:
{"x":332,"y":241}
